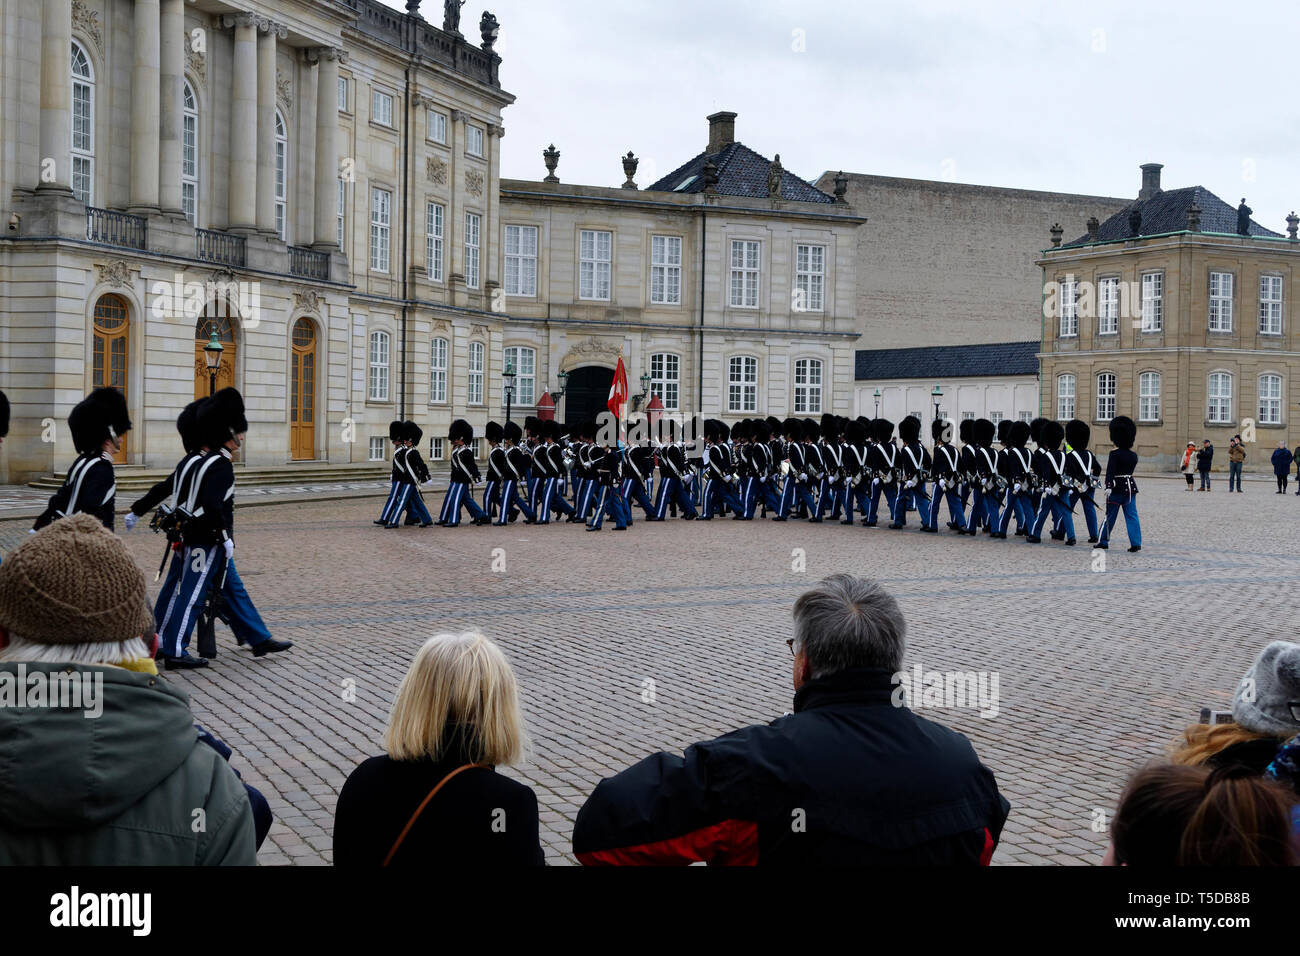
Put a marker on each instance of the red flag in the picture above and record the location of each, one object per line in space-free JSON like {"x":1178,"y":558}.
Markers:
{"x":618,"y":390}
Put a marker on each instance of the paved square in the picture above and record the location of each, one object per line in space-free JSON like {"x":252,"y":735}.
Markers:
{"x":1098,"y":670}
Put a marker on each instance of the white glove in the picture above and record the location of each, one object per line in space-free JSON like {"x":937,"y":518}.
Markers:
{"x":31,"y":530}
{"x":803,"y":477}
{"x":230,"y":549}
{"x":428,"y":483}
{"x":1016,"y":487}
{"x":734,"y":478}
{"x":130,"y":520}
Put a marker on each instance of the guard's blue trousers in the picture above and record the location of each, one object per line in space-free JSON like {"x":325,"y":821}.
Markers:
{"x":1131,"y":523}
{"x":1089,"y":512}
{"x":458,"y":495}
{"x":911,"y":498}
{"x":1019,"y":504}
{"x":634,"y":490}
{"x":831,"y":496}
{"x":891,"y":495}
{"x":510,"y":499}
{"x":797,"y":492}
{"x":670,"y":489}
{"x":717,"y":494}
{"x":609,"y":502}
{"x":956,"y":514}
{"x":1061,"y":517}
{"x":200,"y":570}
{"x":549,"y":497}
{"x":410,"y":500}
{"x":386,"y":515}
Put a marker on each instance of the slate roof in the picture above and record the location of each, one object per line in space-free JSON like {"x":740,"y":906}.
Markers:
{"x":1166,"y":211}
{"x":741,"y":172}
{"x":941,"y":362}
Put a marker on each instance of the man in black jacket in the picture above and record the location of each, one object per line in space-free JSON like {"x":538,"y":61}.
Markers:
{"x":98,"y":424}
{"x":852,"y":777}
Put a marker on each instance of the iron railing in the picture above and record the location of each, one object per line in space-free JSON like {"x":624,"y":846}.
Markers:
{"x":220,"y":247}
{"x":308,"y":263}
{"x":116,"y":228}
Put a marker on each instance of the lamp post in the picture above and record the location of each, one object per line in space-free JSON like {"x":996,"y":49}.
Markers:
{"x":212,"y":355}
{"x":936,"y":395}
{"x":877,"y":397}
{"x":645,"y":390}
{"x":509,"y":377}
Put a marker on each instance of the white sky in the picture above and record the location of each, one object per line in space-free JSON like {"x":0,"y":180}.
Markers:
{"x":1066,"y":96}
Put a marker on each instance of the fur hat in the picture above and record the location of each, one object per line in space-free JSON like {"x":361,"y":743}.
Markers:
{"x":1018,"y":434}
{"x":882,"y":430}
{"x":939,"y":428}
{"x":513,"y":432}
{"x":983,"y":432}
{"x":811,"y":430}
{"x":187,"y":423}
{"x":1004,"y":429}
{"x":856,"y":432}
{"x":588,"y":430}
{"x":461,"y":430}
{"x":741,"y":430}
{"x":1035,"y":427}
{"x":792,"y":428}
{"x":909,"y":429}
{"x":830,"y":427}
{"x":773,"y":424}
{"x":494,"y":432}
{"x":762,"y":431}
{"x":99,"y":416}
{"x":221,"y":418}
{"x":1267,"y":700}
{"x":412,"y":432}
{"x":1123,"y":431}
{"x":4,"y":415}
{"x":395,"y":430}
{"x":1051,"y":435}
{"x":1077,"y":434}
{"x":966,"y":431}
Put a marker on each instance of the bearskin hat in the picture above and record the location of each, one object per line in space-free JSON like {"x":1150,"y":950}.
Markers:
{"x":97,"y":417}
{"x":1077,"y":434}
{"x":792,"y":428}
{"x":882,"y":430}
{"x":187,"y":424}
{"x":412,"y":432}
{"x":221,"y":418}
{"x":1018,"y":436}
{"x":4,"y":415}
{"x":724,"y":431}
{"x":983,"y":432}
{"x":811,"y":430}
{"x":830,"y":427}
{"x":395,"y":430}
{"x":762,"y":431}
{"x":740,"y":430}
{"x":856,"y":432}
{"x":774,"y":424}
{"x":938,"y":429}
{"x":1035,"y":427}
{"x":513,"y":432}
{"x":1004,"y":429}
{"x":966,"y":431}
{"x":460,"y":430}
{"x":531,"y":423}
{"x":909,"y":429}
{"x":1051,"y":435}
{"x":1123,"y":432}
{"x":494,"y":432}
{"x":587,"y":430}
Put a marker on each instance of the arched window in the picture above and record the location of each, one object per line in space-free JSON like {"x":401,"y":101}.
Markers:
{"x":112,"y":339}
{"x":524,"y":362}
{"x":1065,"y":397}
{"x":1149,"y":397}
{"x":83,"y":126}
{"x":474,"y":375}
{"x":190,"y":154}
{"x":1220,"y":398}
{"x":1270,"y":399}
{"x":807,"y":387}
{"x":378,"y":366}
{"x":438,"y":353}
{"x":281,"y":178}
{"x":1105,"y":396}
{"x":665,"y":379}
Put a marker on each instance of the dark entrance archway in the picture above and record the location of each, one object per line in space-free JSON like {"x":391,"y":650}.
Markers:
{"x":586,"y":392}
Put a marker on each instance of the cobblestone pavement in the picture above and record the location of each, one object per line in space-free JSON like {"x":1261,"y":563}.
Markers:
{"x":1098,"y":670}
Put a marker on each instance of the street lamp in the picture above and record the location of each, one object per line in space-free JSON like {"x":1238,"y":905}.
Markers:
{"x":564,"y":379}
{"x":877,"y":397}
{"x":212,"y":355}
{"x":936,"y":395}
{"x":509,"y":376}
{"x":645,"y":390}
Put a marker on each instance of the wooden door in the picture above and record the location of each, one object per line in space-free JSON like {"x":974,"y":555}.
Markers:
{"x":302,"y":392}
{"x":112,"y":351}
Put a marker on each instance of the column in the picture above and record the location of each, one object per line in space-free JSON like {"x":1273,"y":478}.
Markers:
{"x":243,"y":124}
{"x":455,"y":230}
{"x":172,"y":68}
{"x":266,"y":126}
{"x":56,"y":97}
{"x":324,"y":232}
{"x":145,"y":94}
{"x":491,"y":202}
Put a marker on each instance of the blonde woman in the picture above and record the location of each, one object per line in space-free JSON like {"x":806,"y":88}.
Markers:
{"x":435,"y":797}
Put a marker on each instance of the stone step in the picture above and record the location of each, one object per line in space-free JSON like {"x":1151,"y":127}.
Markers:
{"x":138,"y":478}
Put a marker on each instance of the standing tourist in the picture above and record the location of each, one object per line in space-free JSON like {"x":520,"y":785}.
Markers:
{"x":1282,"y":459}
{"x":1188,"y":465}
{"x":1204,"y":458}
{"x":1236,"y":459}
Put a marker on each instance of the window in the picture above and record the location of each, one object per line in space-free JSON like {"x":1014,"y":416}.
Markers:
{"x":666,"y":270}
{"x":1105,"y":397}
{"x":343,"y":94}
{"x":521,"y":260}
{"x":381,"y":108}
{"x":438,"y":370}
{"x":524,"y":361}
{"x":189,"y":154}
{"x":1069,"y":307}
{"x":433,"y":227}
{"x":83,"y":126}
{"x":1220,"y":301}
{"x":381,"y":209}
{"x":994,"y":417}
{"x":474,"y":140}
{"x":474,"y":376}
{"x":810,"y":277}
{"x":342,"y":212}
{"x":472,"y":224}
{"x":1270,"y":399}
{"x":377,"y":450}
{"x":1064,"y":397}
{"x":1153,"y":301}
{"x":1270,"y":305}
{"x":438,"y":127}
{"x":1025,"y":417}
{"x":742,"y":384}
{"x":595,"y":256}
{"x":378,"y":366}
{"x":1108,"y":306}
{"x":744,"y":274}
{"x":665,"y":379}
{"x":478,"y":448}
{"x":807,"y":387}
{"x":1220,"y":393}
{"x":436,"y":452}
{"x":281,"y":178}
{"x":1149,"y":397}
{"x":968,"y":416}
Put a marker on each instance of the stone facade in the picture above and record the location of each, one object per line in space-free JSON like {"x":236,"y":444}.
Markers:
{"x":994,"y":396}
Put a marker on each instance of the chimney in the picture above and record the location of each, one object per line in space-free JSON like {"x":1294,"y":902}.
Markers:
{"x":1150,"y":180}
{"x":722,"y":131}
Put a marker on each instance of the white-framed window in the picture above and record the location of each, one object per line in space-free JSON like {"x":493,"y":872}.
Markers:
{"x":437,"y":127}
{"x":1064,"y":397}
{"x":474,"y":374}
{"x":1069,"y":307}
{"x":1105,"y":396}
{"x":381,"y":217}
{"x":521,"y":260}
{"x":665,"y":379}
{"x":478,"y":447}
{"x":1153,"y":304}
{"x":1108,"y":306}
{"x":343,"y":94}
{"x":968,"y":416}
{"x":524,"y":361}
{"x":1149,"y":397}
{"x":1220,"y":398}
{"x":473,"y":140}
{"x":1025,"y":417}
{"x":810,"y":277}
{"x":437,"y":448}
{"x":378,"y":448}
{"x":1270,"y":305}
{"x":281,"y":178}
{"x":744,"y":273}
{"x":434,"y":222}
{"x":742,"y":384}
{"x":994,"y":417}
{"x":807,"y":386}
{"x":439,"y":349}
{"x":595,"y":262}
{"x":381,"y":108}
{"x":1220,"y":301}
{"x":379,"y":356}
{"x":189,"y":153}
{"x":473,"y":225}
{"x":83,"y":126}
{"x":666,"y":270}
{"x":1270,"y":399}
{"x":341,"y":213}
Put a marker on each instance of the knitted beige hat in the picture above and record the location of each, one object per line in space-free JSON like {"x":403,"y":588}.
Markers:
{"x":73,"y":582}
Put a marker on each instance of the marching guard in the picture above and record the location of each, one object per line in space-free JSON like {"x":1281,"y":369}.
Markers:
{"x":464,"y":475}
{"x":1082,"y":471}
{"x":946,"y":471}
{"x":98,"y":423}
{"x":1121,"y":488}
{"x":395,"y":484}
{"x":1049,"y":466}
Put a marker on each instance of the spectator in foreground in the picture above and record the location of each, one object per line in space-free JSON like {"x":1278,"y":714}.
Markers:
{"x":1282,"y":459}
{"x":435,"y":798}
{"x":849,"y":778}
{"x":120,"y":787}
{"x":1176,"y":815}
{"x":1204,"y":458}
{"x":1188,"y":465}
{"x":1236,"y":460}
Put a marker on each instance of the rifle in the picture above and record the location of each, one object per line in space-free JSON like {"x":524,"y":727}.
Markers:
{"x":207,"y":636}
